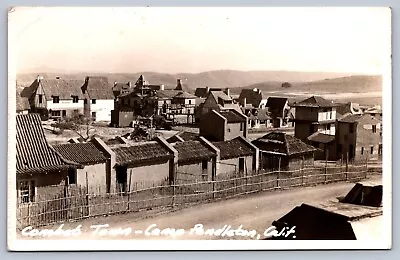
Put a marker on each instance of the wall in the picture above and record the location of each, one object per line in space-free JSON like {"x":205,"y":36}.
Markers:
{"x":96,"y":178}
{"x":233,"y":130}
{"x":345,"y":140}
{"x":65,"y":104}
{"x":367,"y":139}
{"x":193,"y":171}
{"x":302,"y":131}
{"x":155,"y":173}
{"x":297,"y":162}
{"x":323,"y":128}
{"x":209,"y":104}
{"x":330,"y":114}
{"x":307,"y":113}
{"x":102,"y":108}
{"x":228,"y":166}
{"x":212,"y":125}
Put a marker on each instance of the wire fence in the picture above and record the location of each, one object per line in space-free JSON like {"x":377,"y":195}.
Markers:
{"x":76,"y":203}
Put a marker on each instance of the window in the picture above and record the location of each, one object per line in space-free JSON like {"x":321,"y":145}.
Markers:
{"x":93,"y":101}
{"x":27,"y":191}
{"x":229,"y":130}
{"x":56,"y":113}
{"x":190,"y":101}
{"x":373,"y":128}
{"x":362,"y":150}
{"x":85,"y":101}
{"x":75,"y":99}
{"x":71,"y":176}
{"x":56,"y":99}
{"x":351,"y":128}
{"x":241,"y":127}
{"x":40,"y":98}
{"x":64,"y":113}
{"x":328,"y":127}
{"x":94,"y":115}
{"x":380,"y":149}
{"x":372,"y":150}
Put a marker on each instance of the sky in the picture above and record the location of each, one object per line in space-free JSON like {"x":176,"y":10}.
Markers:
{"x":192,"y":40}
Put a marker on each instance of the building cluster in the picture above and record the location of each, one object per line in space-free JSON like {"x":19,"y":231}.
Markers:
{"x":323,"y":130}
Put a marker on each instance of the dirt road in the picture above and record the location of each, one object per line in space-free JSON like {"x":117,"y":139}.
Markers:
{"x":253,"y":212}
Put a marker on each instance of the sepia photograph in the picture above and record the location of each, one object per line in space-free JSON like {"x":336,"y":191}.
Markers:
{"x":226,"y":128}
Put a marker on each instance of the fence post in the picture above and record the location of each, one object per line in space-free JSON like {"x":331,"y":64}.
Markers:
{"x":129,"y":189}
{"x":347,"y":166}
{"x":279,"y":172}
{"x":213,"y":177}
{"x":366,"y":166}
{"x":302,"y":172}
{"x":326,"y":163}
{"x":87,"y":195}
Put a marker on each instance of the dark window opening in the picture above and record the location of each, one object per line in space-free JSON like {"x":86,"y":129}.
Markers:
{"x":122,"y":179}
{"x":373,"y":128}
{"x":94,"y":115}
{"x":64,"y":113}
{"x":93,"y":101}
{"x":362,"y":150}
{"x":71,"y":176}
{"x":85,"y":101}
{"x":241,"y":127}
{"x":204,"y":167}
{"x":40,"y":99}
{"x":380,"y":149}
{"x":56,"y":99}
{"x":241,"y":164}
{"x":328,"y":127}
{"x":372,"y":150}
{"x":75,"y":99}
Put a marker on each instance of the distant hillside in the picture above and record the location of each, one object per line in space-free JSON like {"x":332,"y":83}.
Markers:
{"x":218,"y":79}
{"x":356,"y":84}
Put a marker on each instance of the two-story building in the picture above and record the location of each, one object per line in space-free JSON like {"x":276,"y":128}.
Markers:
{"x":55,"y":98}
{"x":315,"y":123}
{"x":253,"y":97}
{"x":99,"y":98}
{"x":223,"y":125}
{"x":279,"y":110}
{"x":359,"y":136}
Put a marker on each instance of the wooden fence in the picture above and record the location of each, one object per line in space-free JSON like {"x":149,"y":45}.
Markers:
{"x":76,"y":204}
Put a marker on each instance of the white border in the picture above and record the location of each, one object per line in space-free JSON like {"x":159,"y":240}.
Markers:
{"x":111,"y":245}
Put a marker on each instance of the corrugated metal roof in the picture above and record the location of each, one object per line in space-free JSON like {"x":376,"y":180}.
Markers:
{"x":233,"y":148}
{"x":193,"y":151}
{"x":34,"y":154}
{"x":83,"y":153}
{"x":134,"y":154}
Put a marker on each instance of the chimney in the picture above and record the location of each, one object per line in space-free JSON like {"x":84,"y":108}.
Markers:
{"x":57,"y":77}
{"x":244,"y":102}
{"x":178,"y":84}
{"x":207,"y":89}
{"x":129,"y":84}
{"x":39,"y":78}
{"x":115,"y":83}
{"x":162,"y":87}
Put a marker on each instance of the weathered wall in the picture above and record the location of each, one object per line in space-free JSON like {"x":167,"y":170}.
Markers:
{"x":102,"y":108}
{"x":228,"y":166}
{"x":233,"y":131}
{"x":307,"y":113}
{"x":96,"y":178}
{"x":212,"y":125}
{"x":367,"y":138}
{"x":193,"y":171}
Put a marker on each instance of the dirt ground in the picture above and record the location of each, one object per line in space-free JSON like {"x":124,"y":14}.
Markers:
{"x":253,"y":212}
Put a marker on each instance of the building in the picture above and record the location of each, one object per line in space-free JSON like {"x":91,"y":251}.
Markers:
{"x":237,"y":157}
{"x":218,"y":100}
{"x":95,"y":174}
{"x":223,"y":125}
{"x":22,"y":104}
{"x":40,"y":168}
{"x":282,"y":151}
{"x":253,"y":97}
{"x":258,"y":118}
{"x":359,"y":137}
{"x":279,"y":111}
{"x":122,"y":88}
{"x":55,"y":98}
{"x":203,"y":92}
{"x":99,"y":98}
{"x":196,"y":161}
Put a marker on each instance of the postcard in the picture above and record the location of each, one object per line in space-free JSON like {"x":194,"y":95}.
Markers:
{"x":226,"y":128}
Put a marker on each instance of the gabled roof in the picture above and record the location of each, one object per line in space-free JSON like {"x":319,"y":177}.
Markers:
{"x":136,"y":154}
{"x":166,"y":94}
{"x":63,"y":88}
{"x":232,"y":116}
{"x":22,"y":102}
{"x":233,"y":148}
{"x":262,"y":114}
{"x":321,"y":138}
{"x":202,"y":92}
{"x":184,"y":135}
{"x":283,"y":144}
{"x":34,"y":154}
{"x":253,"y":96}
{"x":276,"y":102}
{"x":191,"y":151}
{"x":185,"y":95}
{"x":353,"y":118}
{"x":315,"y":101}
{"x":82,"y":153}
{"x":98,"y":88}
{"x":220,"y":95}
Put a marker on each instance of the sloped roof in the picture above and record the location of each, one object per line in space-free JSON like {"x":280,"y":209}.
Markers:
{"x":34,"y":154}
{"x":262,"y":114}
{"x":98,"y":88}
{"x":202,"y":92}
{"x":220,"y":95}
{"x":22,"y":102}
{"x":184,"y":135}
{"x":193,"y":151}
{"x":142,"y":153}
{"x":184,"y":95}
{"x":315,"y":101}
{"x":276,"y":102}
{"x":232,"y":116}
{"x":321,"y":138}
{"x":166,"y":94}
{"x":278,"y":142}
{"x":253,"y":96}
{"x":63,"y":88}
{"x":233,"y":148}
{"x":352,"y":118}
{"x":82,"y":153}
